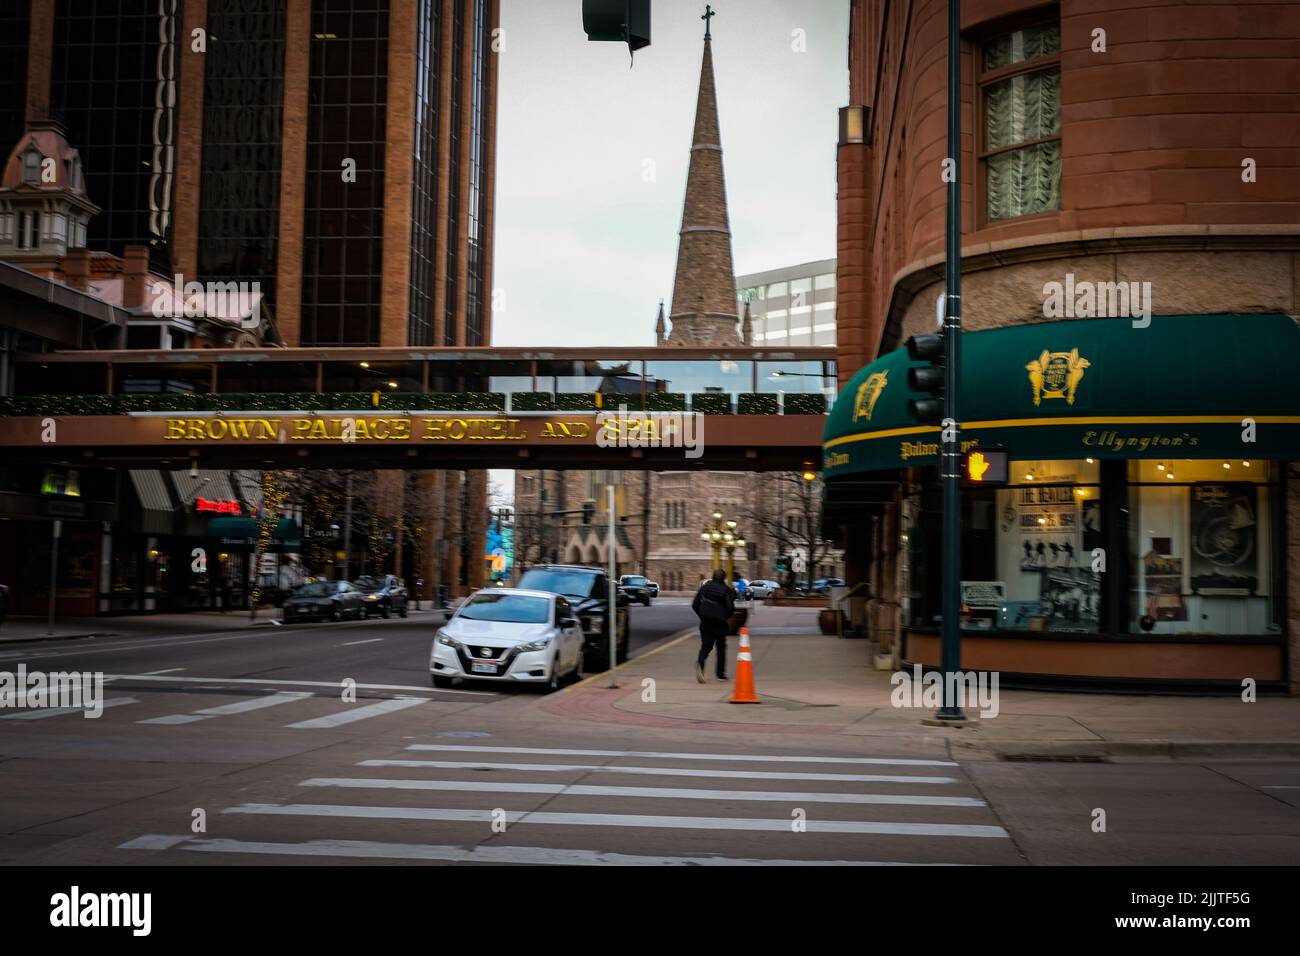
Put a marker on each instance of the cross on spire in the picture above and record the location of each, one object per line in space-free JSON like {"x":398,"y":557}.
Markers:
{"x":709,"y":14}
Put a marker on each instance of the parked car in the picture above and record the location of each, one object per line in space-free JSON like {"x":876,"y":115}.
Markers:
{"x":762,"y":588}
{"x":824,"y":585}
{"x":586,"y":589}
{"x":636,"y":587}
{"x":383,"y":596}
{"x":324,"y":600}
{"x":509,"y":635}
{"x":654,"y":589}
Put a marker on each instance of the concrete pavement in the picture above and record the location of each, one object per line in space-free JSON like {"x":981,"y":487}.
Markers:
{"x":812,"y":684}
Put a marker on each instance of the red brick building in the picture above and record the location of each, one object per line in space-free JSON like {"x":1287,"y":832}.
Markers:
{"x":1117,"y":146}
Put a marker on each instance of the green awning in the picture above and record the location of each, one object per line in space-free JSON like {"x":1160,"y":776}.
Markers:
{"x":241,"y":531}
{"x":1101,"y":388}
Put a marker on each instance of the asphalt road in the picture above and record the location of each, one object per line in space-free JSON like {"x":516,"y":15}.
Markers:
{"x":247,"y":734}
{"x":377,"y":652}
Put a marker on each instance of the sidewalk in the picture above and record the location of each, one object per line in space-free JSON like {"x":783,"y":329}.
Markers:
{"x":811,"y":684}
{"x":17,"y":629}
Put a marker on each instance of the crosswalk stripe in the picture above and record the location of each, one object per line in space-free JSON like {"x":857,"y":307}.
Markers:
{"x":660,"y":771}
{"x":358,"y":713}
{"x":263,"y":682}
{"x":883,"y":828}
{"x":745,"y":758}
{"x":226,"y":710}
{"x":519,"y":855}
{"x":584,"y":790}
{"x":59,"y":711}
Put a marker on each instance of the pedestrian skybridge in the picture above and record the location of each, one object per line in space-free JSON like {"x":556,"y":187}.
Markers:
{"x":743,"y":408}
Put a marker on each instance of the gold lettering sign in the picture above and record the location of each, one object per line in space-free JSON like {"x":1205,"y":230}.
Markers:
{"x":373,"y":428}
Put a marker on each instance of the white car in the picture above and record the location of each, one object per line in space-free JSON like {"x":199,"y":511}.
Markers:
{"x":762,"y":588}
{"x":505,"y":634}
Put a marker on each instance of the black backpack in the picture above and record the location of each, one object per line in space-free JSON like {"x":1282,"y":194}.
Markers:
{"x":713,"y":606}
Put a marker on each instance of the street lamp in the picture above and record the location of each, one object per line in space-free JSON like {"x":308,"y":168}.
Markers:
{"x":720,"y":534}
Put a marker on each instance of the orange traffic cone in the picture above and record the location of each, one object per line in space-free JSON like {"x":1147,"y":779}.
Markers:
{"x":744,"y":672}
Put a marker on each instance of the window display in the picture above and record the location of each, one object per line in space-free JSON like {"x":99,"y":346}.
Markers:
{"x":1201,"y":537}
{"x":1200,"y":543}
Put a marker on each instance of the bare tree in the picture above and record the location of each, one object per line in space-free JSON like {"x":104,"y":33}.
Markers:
{"x":792,"y":515}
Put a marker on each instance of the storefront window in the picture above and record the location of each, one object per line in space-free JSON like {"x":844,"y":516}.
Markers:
{"x":1202,"y":539}
{"x":1048,"y":524}
{"x":1202,"y":542}
{"x":1026,"y":551}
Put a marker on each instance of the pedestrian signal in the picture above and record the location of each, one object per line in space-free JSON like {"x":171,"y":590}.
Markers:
{"x":984,"y":466}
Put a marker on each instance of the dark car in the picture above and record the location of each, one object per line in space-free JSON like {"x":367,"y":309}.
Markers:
{"x":824,"y":585}
{"x":383,"y":596}
{"x":324,"y":601}
{"x":637,"y":588}
{"x":588,"y":591}
{"x":654,"y":588}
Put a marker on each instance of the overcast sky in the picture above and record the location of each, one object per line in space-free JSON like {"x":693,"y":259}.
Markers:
{"x":592,"y":157}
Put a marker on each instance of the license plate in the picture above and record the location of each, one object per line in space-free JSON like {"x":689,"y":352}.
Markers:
{"x":478,"y":668}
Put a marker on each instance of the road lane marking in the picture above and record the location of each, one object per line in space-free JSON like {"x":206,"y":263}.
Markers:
{"x":226,"y":710}
{"x":371,"y":640}
{"x":337,"y":685}
{"x":882,"y":828}
{"x":104,"y":645}
{"x":744,"y":758}
{"x":660,"y":771}
{"x":519,"y":855}
{"x":675,"y":793}
{"x":357,"y":713}
{"x":59,"y":711}
{"x":170,"y":670}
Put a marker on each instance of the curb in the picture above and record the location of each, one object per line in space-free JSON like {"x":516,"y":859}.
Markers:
{"x":666,"y":642}
{"x":1087,"y":751}
{"x":6,"y":641}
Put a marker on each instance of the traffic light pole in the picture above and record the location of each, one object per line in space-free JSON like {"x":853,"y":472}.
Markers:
{"x":950,"y":437}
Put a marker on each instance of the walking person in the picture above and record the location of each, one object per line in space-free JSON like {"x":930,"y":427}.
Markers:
{"x":714,"y":604}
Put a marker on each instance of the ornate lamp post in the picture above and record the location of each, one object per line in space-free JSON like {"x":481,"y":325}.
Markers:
{"x":712,"y":534}
{"x":723,"y":534}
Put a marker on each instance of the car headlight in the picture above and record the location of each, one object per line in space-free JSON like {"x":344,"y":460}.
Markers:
{"x":444,"y":638}
{"x":372,"y":597}
{"x":538,"y":645}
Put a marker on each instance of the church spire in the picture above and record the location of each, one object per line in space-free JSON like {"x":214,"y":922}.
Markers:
{"x":661,"y":335}
{"x":704,"y":289}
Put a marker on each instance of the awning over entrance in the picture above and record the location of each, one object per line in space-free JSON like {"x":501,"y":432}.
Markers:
{"x":157,"y":513}
{"x":1183,"y":387}
{"x":241,"y":532}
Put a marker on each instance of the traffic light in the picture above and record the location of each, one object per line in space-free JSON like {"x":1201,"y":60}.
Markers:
{"x":624,"y":20}
{"x":926,"y":378}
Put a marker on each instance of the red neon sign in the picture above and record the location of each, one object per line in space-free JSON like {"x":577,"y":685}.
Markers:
{"x":220,"y":507}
